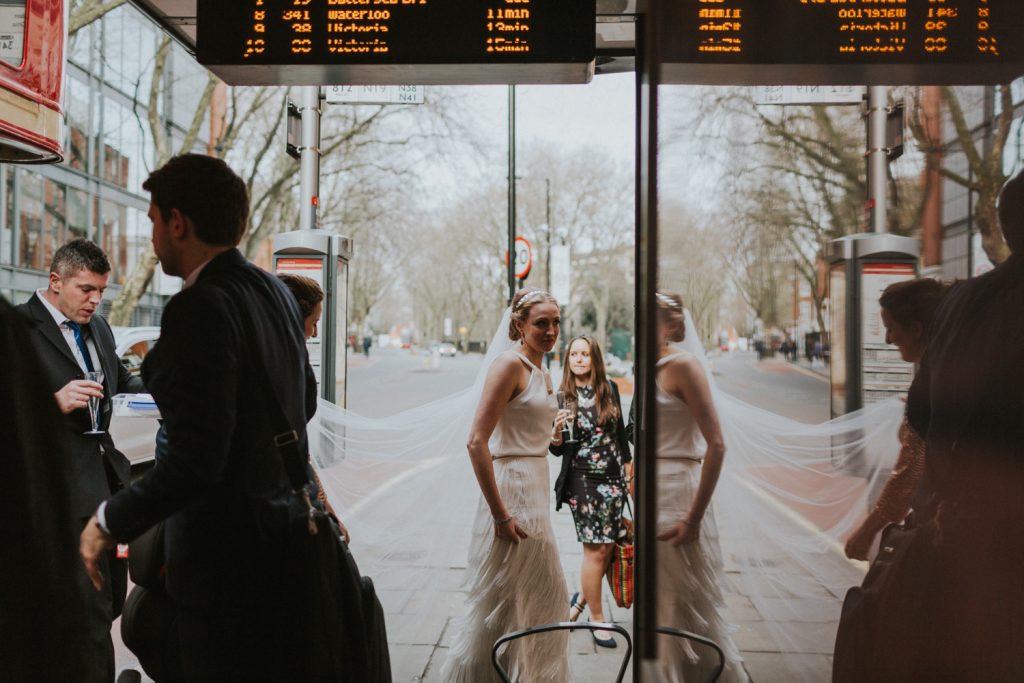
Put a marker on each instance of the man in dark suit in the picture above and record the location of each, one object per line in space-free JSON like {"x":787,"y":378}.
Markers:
{"x":959,"y":613}
{"x":231,"y":359}
{"x":71,"y":338}
{"x":43,"y":613}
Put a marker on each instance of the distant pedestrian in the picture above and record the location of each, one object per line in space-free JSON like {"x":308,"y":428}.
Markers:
{"x":367,"y":343}
{"x":595,"y":471}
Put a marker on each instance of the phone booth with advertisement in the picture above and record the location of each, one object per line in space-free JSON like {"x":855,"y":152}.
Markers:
{"x":323,"y":257}
{"x":864,"y":369}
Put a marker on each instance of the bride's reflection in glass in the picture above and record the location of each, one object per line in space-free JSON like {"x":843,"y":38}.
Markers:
{"x":690,"y":452}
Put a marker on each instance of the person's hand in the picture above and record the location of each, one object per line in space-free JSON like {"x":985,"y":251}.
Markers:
{"x":91,"y":545}
{"x":344,"y":531}
{"x":683,"y":533}
{"x":858,"y":545}
{"x":562,"y":418}
{"x":508,"y":529}
{"x":75,"y":394}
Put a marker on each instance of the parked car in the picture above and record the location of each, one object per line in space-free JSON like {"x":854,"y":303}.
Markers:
{"x":445,"y":348}
{"x":134,"y":436}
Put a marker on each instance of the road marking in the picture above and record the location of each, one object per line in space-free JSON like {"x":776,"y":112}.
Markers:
{"x":393,"y":482}
{"x":803,"y":522}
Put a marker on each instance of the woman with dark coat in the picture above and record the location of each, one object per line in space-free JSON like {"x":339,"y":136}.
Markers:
{"x":595,"y":470}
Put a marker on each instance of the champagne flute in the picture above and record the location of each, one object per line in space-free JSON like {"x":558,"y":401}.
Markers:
{"x":95,"y":414}
{"x":570,"y":405}
{"x":561,"y":396}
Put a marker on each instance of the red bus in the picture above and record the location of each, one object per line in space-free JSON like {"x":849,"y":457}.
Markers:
{"x":33,"y":35}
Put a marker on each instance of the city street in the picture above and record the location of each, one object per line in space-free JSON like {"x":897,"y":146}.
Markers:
{"x":420,"y":616}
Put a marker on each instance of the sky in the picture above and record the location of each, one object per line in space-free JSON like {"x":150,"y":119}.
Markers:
{"x":599,"y":114}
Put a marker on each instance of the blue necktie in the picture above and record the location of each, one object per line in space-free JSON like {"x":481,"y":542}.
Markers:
{"x":77,"y":329}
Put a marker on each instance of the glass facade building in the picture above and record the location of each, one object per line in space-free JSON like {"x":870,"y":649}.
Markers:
{"x":962,"y":255}
{"x":109,"y":144}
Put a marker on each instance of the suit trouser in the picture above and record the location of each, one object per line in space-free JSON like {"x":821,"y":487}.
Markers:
{"x":102,"y":607}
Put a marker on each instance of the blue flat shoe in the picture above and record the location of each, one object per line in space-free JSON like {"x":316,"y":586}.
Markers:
{"x":604,"y":639}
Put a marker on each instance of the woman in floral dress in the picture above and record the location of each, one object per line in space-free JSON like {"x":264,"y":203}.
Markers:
{"x":595,"y":470}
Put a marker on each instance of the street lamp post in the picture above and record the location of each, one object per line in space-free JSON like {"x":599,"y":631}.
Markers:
{"x":547,"y":227}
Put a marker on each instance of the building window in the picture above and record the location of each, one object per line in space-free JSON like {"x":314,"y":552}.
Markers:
{"x":30,"y":222}
{"x":54,"y":219}
{"x":77,"y":214}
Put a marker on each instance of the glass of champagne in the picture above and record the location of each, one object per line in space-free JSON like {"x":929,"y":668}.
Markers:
{"x":567,"y":403}
{"x":570,"y":405}
{"x":95,"y":414}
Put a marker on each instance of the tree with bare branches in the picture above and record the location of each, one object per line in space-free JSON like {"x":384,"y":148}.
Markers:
{"x":981,"y":118}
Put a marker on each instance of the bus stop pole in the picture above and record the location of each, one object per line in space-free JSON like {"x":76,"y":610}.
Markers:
{"x":511,"y":192}
{"x":309,"y":160}
{"x":877,"y":157}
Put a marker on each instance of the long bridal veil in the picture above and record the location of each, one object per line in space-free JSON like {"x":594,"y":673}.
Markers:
{"x":404,"y":487}
{"x":788,"y":495}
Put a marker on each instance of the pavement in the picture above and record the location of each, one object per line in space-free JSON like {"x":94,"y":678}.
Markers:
{"x":419,"y":639}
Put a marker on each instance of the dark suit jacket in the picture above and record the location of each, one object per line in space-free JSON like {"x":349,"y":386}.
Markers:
{"x":968,"y":398}
{"x":43,"y":613}
{"x":567,"y":450}
{"x":221,"y":480}
{"x":83,"y":460}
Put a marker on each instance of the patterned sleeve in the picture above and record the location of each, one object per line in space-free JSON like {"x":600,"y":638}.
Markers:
{"x":894,"y":502}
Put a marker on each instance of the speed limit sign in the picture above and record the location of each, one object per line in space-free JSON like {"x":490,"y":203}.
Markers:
{"x":524,"y":257}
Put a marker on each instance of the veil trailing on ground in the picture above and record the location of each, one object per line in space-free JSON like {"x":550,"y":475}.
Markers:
{"x":404,"y":487}
{"x":788,"y":496}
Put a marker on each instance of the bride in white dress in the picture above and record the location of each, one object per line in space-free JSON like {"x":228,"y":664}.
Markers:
{"x":514,"y":576}
{"x":690,"y":450}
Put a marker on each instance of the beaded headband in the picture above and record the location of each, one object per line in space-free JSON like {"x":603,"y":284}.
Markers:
{"x":668,"y":301}
{"x":527,"y":298}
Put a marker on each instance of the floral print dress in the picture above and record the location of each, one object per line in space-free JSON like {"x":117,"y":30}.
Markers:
{"x":596,"y":488}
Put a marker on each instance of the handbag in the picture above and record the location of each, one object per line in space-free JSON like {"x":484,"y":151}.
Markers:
{"x":332,"y":623}
{"x":865,"y":614}
{"x":620,"y":568}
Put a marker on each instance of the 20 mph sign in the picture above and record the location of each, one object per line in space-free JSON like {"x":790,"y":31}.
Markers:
{"x":524,"y":257}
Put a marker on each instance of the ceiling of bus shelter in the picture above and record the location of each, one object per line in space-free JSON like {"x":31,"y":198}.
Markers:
{"x":614,"y":29}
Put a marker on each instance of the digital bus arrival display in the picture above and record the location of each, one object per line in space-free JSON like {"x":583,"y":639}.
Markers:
{"x":420,"y":40}
{"x":844,"y":41}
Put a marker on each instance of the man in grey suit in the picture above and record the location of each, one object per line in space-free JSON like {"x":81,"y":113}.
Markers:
{"x":230,"y":366}
{"x":71,"y":338}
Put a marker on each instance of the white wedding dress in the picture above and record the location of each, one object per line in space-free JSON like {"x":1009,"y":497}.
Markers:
{"x":689,"y":576}
{"x":515,"y":586}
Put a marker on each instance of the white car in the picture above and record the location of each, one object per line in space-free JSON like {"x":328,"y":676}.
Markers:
{"x":134,"y":436}
{"x":443,"y":349}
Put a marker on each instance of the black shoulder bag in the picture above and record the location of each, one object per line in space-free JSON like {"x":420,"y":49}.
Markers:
{"x":332,"y":622}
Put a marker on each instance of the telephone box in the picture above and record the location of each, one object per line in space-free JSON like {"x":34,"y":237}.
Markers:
{"x":322,"y":256}
{"x":864,"y":369}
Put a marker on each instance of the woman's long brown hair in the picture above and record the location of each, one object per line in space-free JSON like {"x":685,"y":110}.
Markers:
{"x":603,"y":399}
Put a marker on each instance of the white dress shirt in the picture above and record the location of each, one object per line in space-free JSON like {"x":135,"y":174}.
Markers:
{"x":69,"y":335}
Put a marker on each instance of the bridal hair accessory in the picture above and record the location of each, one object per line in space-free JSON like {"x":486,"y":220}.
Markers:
{"x":668,"y":301}
{"x":535,"y":294}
